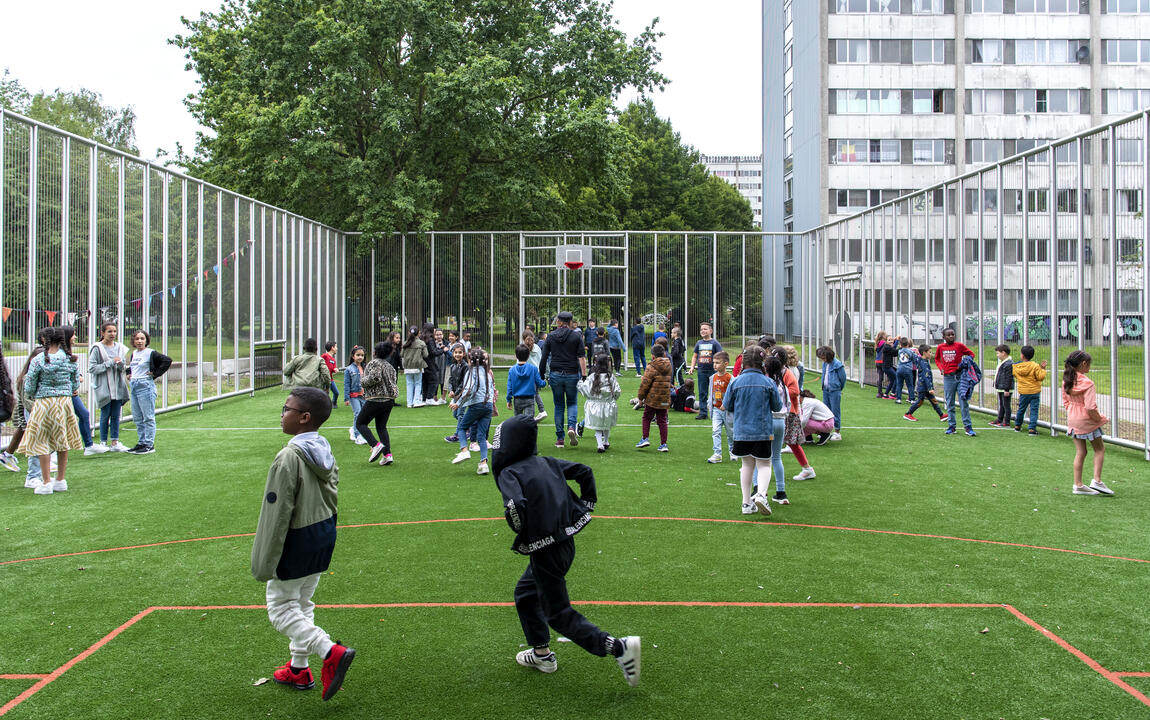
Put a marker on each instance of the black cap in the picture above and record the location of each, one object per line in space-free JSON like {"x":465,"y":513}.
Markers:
{"x":564,"y":316}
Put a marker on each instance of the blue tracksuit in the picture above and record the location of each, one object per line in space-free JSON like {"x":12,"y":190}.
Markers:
{"x":834,"y":380}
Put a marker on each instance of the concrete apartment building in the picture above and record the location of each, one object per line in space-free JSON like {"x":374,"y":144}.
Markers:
{"x":865,"y":100}
{"x":745,"y":173}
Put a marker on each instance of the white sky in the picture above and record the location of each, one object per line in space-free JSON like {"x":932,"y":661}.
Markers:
{"x":118,"y":48}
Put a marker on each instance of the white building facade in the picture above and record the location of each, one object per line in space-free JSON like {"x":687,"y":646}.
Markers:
{"x":866,"y":100}
{"x":745,"y":173}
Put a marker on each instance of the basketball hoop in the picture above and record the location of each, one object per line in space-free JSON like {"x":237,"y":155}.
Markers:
{"x":573,"y":264}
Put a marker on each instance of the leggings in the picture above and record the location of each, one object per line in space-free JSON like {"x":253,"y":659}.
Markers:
{"x":797,"y":451}
{"x":380,"y":411}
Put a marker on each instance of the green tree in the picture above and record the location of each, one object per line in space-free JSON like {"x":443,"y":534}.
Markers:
{"x":400,"y":115}
{"x":669,"y":185}
{"x":82,"y":113}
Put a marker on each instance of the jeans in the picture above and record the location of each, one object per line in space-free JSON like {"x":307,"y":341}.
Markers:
{"x":720,"y":419}
{"x":379,"y":411}
{"x":617,"y":358}
{"x":564,"y":389}
{"x":640,"y":356}
{"x":1028,"y":400}
{"x":904,"y":378}
{"x":84,"y":419}
{"x":414,"y":382}
{"x":292,"y":613}
{"x":474,"y":423}
{"x":356,"y":405}
{"x":541,"y":600}
{"x":704,"y":388}
{"x":334,"y":393}
{"x":524,"y":405}
{"x":1003,"y":408}
{"x":833,"y":400}
{"x":778,"y":425}
{"x":925,"y":396}
{"x":890,"y":373}
{"x":143,"y":393}
{"x":950,"y":389}
{"x":110,"y":420}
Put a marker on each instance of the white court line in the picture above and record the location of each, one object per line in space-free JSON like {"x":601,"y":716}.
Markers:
{"x":927,"y":427}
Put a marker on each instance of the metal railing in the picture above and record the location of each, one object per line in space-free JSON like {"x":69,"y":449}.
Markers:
{"x":90,"y":234}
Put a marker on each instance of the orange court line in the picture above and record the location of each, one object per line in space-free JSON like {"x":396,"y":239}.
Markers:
{"x":1115,"y":678}
{"x":614,"y":517}
{"x":23,"y":676}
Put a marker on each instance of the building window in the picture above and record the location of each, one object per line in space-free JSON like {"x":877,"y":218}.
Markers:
{"x":1130,"y":301}
{"x":928,"y":101}
{"x":986,"y":52}
{"x":873,"y":6}
{"x":1120,"y":52}
{"x":986,"y":6}
{"x":851,"y":51}
{"x":929,"y":52}
{"x":1125,"y":101}
{"x":1129,"y":150}
{"x":983,"y":151}
{"x":873,"y":102}
{"x":1129,"y":201}
{"x":1044,"y":6}
{"x":986,"y":102}
{"x":852,"y":199}
{"x":931,"y":7}
{"x":929,"y":152}
{"x":1046,"y":52}
{"x":1127,"y":6}
{"x":1047,"y":101}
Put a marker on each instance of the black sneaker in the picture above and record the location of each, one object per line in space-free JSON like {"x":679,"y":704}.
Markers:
{"x":1031,"y":432}
{"x":824,"y":438}
{"x":146,"y":450}
{"x":135,"y":450}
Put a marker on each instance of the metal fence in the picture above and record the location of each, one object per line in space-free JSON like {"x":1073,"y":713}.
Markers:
{"x":1046,"y":248}
{"x":1018,"y":252}
{"x":494,"y":284}
{"x":89,"y":234}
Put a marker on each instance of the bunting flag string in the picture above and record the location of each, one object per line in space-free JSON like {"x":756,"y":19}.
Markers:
{"x":51,"y":316}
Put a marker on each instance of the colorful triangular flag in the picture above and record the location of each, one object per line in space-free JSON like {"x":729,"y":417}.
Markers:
{"x":51,"y":316}
{"x":7,"y":312}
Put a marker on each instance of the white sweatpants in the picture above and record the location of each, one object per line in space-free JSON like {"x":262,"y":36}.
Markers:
{"x":293,"y":613}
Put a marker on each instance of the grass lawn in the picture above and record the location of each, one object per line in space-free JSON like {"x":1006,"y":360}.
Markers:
{"x":863,"y":599}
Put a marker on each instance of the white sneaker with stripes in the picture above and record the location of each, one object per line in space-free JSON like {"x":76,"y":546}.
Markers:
{"x":629,"y":660}
{"x":545,"y":663}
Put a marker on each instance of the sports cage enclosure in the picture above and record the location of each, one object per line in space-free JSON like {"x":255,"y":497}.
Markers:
{"x":1018,"y":252}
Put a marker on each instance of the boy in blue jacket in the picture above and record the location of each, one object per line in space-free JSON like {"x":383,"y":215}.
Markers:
{"x":295,"y":539}
{"x":924,"y":389}
{"x":523,"y":382}
{"x":834,"y":380}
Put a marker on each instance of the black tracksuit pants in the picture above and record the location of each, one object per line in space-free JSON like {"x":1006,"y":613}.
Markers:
{"x":541,"y":600}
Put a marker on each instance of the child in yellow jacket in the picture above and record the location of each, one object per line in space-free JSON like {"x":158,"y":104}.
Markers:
{"x":1029,"y":376}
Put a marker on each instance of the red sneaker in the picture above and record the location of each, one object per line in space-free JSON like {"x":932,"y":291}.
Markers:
{"x":944,"y":417}
{"x":910,"y":417}
{"x":335,"y":666}
{"x":301,"y":680}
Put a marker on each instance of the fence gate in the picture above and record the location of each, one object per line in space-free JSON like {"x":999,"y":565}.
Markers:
{"x":584,"y":273}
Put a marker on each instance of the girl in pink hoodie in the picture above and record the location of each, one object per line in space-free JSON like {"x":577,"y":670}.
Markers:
{"x":1083,"y":421}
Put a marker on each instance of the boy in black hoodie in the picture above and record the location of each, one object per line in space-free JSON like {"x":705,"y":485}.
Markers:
{"x":545,"y":514}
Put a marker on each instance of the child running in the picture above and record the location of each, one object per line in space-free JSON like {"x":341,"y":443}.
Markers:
{"x":655,"y":394}
{"x":534,"y":358}
{"x":475,"y":402}
{"x":353,"y":389}
{"x":834,"y":380}
{"x":600,"y":410}
{"x":720,"y":418}
{"x":1083,"y":421}
{"x":295,"y":539}
{"x":752,"y":397}
{"x":924,"y":389}
{"x":379,"y":393}
{"x":455,"y":383}
{"x":545,"y":514}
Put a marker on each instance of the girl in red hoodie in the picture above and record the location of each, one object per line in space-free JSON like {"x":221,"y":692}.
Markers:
{"x":1083,"y":421}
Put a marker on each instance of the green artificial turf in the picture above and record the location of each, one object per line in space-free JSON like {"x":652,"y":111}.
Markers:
{"x":668,"y":529}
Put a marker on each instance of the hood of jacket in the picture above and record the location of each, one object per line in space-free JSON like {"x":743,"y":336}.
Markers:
{"x":515,"y":439}
{"x":560,"y":334}
{"x":1081,"y":384}
{"x":316,"y":452}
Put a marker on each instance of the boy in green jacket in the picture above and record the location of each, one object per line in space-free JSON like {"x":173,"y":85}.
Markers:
{"x":295,"y":538}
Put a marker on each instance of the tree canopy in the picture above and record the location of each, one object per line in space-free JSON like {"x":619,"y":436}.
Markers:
{"x":82,"y":112}
{"x":397,"y":115}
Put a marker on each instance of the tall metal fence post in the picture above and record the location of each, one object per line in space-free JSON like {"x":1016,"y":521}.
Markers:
{"x":1053,"y":307}
{"x":33,"y":214}
{"x":1145,"y":281}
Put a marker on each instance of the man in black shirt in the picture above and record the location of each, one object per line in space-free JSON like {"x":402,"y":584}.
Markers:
{"x":564,"y":349}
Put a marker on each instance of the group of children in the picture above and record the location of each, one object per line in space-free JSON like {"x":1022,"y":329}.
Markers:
{"x":50,"y":418}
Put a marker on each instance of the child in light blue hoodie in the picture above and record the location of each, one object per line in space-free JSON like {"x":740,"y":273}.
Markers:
{"x":834,"y":380}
